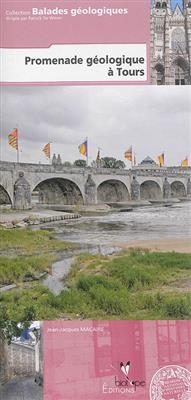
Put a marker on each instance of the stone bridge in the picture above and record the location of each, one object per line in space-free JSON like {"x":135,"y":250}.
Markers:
{"x":57,"y":184}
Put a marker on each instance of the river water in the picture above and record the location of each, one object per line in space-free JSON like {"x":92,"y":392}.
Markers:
{"x":102,"y":233}
{"x":150,"y":222}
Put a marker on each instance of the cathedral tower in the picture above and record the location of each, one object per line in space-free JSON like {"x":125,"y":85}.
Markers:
{"x":170,"y":43}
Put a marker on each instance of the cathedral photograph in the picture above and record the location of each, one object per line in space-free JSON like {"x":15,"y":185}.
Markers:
{"x":170,"y":42}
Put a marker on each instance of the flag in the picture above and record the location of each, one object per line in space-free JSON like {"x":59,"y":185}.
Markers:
{"x":46,"y":150}
{"x":83,"y":148}
{"x":161,"y":159}
{"x":98,"y":158}
{"x":13,"y":139}
{"x":184,"y":163}
{"x":129,"y":154}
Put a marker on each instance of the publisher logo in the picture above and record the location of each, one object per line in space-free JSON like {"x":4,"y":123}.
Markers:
{"x":171,"y":382}
{"x":123,"y":384}
{"x":125,"y":368}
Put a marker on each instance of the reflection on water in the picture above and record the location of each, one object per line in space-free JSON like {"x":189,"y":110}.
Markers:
{"x":142,"y":223}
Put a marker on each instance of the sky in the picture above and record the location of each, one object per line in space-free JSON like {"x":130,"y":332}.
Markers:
{"x":151,"y":119}
{"x":174,"y":2}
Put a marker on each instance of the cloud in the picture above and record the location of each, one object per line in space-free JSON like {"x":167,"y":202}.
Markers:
{"x":152,"y":119}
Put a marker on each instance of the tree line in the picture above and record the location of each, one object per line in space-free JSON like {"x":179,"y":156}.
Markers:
{"x":105,"y":162}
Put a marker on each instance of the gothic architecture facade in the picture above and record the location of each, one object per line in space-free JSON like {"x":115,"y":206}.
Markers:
{"x":170,"y":43}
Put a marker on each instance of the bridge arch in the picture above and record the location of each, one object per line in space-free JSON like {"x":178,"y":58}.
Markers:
{"x":58,"y":190}
{"x":112,"y":190}
{"x":150,"y":190}
{"x":4,"y":196}
{"x":178,"y":189}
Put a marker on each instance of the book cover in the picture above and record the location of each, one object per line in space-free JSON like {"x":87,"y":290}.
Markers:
{"x":95,"y":196}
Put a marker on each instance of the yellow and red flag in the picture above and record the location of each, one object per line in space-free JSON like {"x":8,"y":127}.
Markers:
{"x":46,"y":150}
{"x":184,"y":163}
{"x":83,"y":148}
{"x":129,"y":154}
{"x":13,"y":139}
{"x":161,"y":159}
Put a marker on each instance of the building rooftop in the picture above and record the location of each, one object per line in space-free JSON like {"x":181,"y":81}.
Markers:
{"x":148,"y":161}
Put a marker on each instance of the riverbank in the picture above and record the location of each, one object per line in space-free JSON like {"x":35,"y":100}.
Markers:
{"x":21,"y":219}
{"x":180,"y":245}
{"x":133,"y":284}
{"x":25,"y":242}
{"x":26,"y":256}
